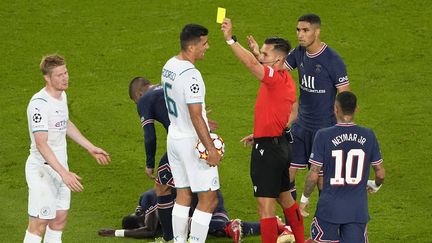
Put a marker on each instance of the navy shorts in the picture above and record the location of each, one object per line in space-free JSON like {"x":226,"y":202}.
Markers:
{"x":323,"y":231}
{"x":164,"y":176}
{"x":302,"y":146}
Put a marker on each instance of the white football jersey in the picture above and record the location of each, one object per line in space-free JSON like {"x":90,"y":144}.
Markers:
{"x":46,"y":113}
{"x":183,"y":85}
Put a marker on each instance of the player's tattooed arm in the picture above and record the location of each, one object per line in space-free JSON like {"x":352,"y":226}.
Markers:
{"x":379,"y":174}
{"x":311,"y":180}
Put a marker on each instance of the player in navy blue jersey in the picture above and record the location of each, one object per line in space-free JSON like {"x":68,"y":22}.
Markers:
{"x":151,"y":107}
{"x":322,"y":73}
{"x":344,"y":152}
{"x":144,"y":223}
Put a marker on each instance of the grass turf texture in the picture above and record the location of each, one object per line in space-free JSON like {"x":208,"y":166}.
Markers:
{"x":106,"y":43}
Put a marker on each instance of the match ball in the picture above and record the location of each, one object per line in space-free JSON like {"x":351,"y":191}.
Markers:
{"x":218,"y":143}
{"x":286,"y":237}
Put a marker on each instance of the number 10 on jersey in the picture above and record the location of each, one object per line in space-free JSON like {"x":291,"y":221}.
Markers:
{"x":339,"y":180}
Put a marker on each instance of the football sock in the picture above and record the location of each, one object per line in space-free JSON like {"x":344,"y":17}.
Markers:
{"x":217,"y":226}
{"x":295,"y":220}
{"x":32,"y":238}
{"x":269,"y":230}
{"x":165,"y":207}
{"x":199,"y":226}
{"x":180,"y":218}
{"x":52,"y":236}
{"x":250,"y":228}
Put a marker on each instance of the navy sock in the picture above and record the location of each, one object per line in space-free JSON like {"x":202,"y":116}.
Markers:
{"x":165,"y":206}
{"x":217,"y":226}
{"x":251,"y":228}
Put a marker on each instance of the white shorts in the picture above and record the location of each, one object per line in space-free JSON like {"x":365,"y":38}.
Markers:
{"x":188,"y":169}
{"x":47,"y":192}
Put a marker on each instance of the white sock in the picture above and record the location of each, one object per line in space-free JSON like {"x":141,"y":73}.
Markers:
{"x":31,"y":238}
{"x":52,"y":236}
{"x":199,"y":226}
{"x":180,"y":217}
{"x":119,"y":233}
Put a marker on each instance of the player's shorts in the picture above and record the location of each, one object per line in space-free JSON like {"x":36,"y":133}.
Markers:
{"x":302,"y":146}
{"x":164,"y":175}
{"x":323,"y":231}
{"x":270,"y":160}
{"x":47,"y":192}
{"x":186,"y":167}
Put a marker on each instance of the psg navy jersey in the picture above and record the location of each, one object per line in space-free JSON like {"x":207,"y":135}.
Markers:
{"x":345,"y":152}
{"x":151,"y":107}
{"x":320,"y":75}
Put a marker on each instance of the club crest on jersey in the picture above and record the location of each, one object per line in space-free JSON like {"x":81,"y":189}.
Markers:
{"x":194,"y":88}
{"x":318,"y":68}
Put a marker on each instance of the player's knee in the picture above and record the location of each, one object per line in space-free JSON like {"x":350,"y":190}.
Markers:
{"x":58,"y":223}
{"x":162,"y":190}
{"x":208,"y":202}
{"x":37,"y":226}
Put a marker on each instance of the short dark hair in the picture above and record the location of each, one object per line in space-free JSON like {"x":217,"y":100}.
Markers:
{"x":191,"y":33}
{"x":280,"y":44}
{"x":136,"y":83}
{"x":347,"y":102}
{"x":310,"y":18}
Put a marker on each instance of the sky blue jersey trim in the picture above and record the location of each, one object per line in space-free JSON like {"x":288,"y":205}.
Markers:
{"x":40,"y":99}
{"x":39,"y":131}
{"x":194,"y":103}
{"x":186,"y":70}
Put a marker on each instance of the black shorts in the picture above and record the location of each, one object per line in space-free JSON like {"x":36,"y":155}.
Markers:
{"x":270,"y":161}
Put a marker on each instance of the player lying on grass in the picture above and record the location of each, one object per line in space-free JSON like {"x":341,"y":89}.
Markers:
{"x":144,"y":223}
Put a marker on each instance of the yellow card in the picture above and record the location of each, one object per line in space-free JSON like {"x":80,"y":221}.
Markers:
{"x":220,"y":15}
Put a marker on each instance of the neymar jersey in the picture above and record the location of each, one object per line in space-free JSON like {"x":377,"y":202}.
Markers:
{"x":48,"y":114}
{"x":345,"y":152}
{"x":320,"y":74}
{"x":183,"y":85}
{"x":151,"y":107}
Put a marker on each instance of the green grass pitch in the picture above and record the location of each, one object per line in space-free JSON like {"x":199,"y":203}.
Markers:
{"x":385,"y":45}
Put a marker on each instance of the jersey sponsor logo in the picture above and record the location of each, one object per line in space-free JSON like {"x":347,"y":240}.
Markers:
{"x":168,"y":74}
{"x":37,"y":117}
{"x":194,"y":88}
{"x":308,"y":85}
{"x":61,"y":124}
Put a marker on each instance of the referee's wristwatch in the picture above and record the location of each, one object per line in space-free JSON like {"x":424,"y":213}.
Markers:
{"x":232,"y":41}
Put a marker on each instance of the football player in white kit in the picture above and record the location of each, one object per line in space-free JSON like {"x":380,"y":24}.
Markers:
{"x":47,"y":173}
{"x":184,"y":91}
